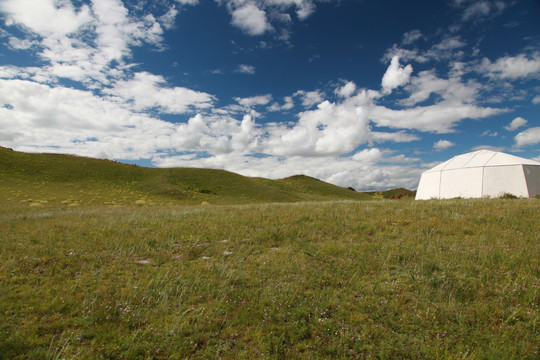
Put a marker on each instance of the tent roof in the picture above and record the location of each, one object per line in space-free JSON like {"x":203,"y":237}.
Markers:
{"x":482,"y":158}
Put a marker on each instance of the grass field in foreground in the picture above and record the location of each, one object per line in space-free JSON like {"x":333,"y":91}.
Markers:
{"x":454,"y":279}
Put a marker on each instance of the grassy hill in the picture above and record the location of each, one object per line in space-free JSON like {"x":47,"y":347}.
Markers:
{"x":40,"y":179}
{"x":393,"y":193}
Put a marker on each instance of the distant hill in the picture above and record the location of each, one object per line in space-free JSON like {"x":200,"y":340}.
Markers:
{"x":40,"y":179}
{"x":393,"y":194}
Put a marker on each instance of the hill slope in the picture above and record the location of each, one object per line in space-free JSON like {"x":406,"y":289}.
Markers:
{"x":39,"y":179}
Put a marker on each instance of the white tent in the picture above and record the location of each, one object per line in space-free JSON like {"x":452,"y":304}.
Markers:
{"x":482,"y":173}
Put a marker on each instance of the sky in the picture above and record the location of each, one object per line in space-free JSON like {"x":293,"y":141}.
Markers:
{"x":359,"y":93}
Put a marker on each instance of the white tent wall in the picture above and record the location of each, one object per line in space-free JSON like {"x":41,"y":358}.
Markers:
{"x":465,"y":183}
{"x":499,"y":180}
{"x":429,"y":186}
{"x":532,"y":176}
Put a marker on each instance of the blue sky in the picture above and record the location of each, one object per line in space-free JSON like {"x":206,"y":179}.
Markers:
{"x":358,"y":93}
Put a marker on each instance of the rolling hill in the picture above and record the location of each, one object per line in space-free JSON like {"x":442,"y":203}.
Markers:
{"x":40,"y":179}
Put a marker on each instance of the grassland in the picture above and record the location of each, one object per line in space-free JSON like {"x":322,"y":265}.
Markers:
{"x":54,"y":179}
{"x":105,"y":260}
{"x":378,"y":279}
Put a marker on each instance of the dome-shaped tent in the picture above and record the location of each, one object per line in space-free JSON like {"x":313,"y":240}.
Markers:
{"x":482,"y":173}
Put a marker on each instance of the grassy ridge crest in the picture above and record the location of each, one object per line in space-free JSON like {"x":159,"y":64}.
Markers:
{"x":74,"y":180}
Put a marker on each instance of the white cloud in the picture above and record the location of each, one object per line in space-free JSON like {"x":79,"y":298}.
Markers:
{"x":250,"y":19}
{"x":490,"y":133}
{"x":254,"y":100}
{"x":59,"y":119}
{"x":216,"y":135}
{"x":34,"y":73}
{"x":481,"y":9}
{"x":254,"y":17}
{"x":536,"y":100}
{"x":37,"y":16}
{"x":245,"y":69}
{"x":346,"y":90}
{"x":168,"y":19}
{"x":146,"y":91}
{"x":512,"y":67}
{"x":88,"y":44}
{"x":188,"y":2}
{"x":445,"y":50}
{"x":448,"y":44}
{"x":66,"y":120}
{"x":397,"y":136}
{"x":395,"y":76}
{"x":443,"y":145}
{"x":516,"y":124}
{"x":530,"y":136}
{"x":411,"y":37}
{"x":331,"y":129}
{"x":305,"y":9}
{"x":368,"y":155}
{"x":116,"y":31}
{"x":452,"y":89}
{"x":310,"y":98}
{"x":439,"y":118}
{"x":287,"y":105}
{"x":478,"y":9}
{"x":21,"y":44}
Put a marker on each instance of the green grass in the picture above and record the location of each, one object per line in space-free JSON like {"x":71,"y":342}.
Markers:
{"x":383,"y":279}
{"x":51,"y":179}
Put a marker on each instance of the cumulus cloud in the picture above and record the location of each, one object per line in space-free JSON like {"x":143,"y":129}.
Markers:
{"x":146,"y":91}
{"x":516,"y":124}
{"x":346,"y":90}
{"x":250,"y":19}
{"x":36,"y":15}
{"x":512,"y":67}
{"x":368,"y":155}
{"x":530,"y":136}
{"x":86,"y":43}
{"x":536,"y":100}
{"x":331,"y":129}
{"x":439,"y":118}
{"x":254,"y":17}
{"x":310,"y":98}
{"x":215,"y":135}
{"x":451,"y":89}
{"x":443,"y":145}
{"x":396,"y":75}
{"x":61,"y":119}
